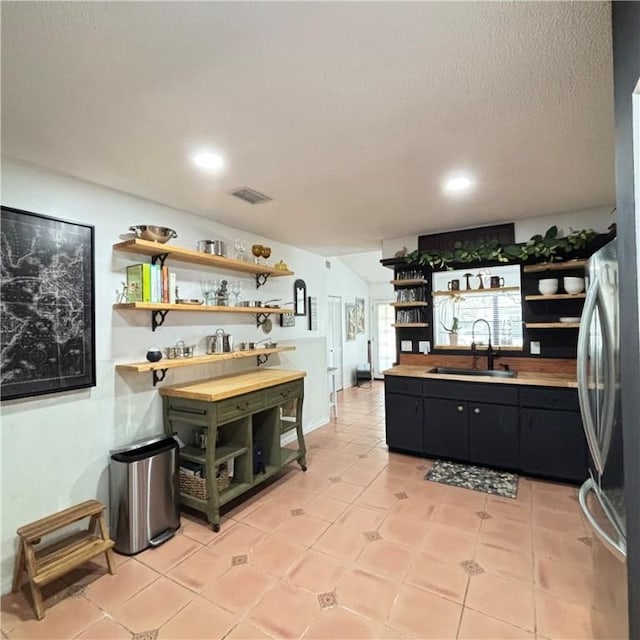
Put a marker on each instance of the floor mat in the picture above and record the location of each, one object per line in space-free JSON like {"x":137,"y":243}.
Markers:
{"x":500,"y":483}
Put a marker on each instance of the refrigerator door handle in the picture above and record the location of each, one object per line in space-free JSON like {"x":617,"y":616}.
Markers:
{"x":619,"y":548}
{"x":583,"y":389}
{"x":608,"y":414}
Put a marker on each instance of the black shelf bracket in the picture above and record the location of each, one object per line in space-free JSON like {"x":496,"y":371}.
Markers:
{"x":157,"y":318}
{"x":158,"y":375}
{"x":261,"y":278}
{"x":262,"y":358}
{"x":261,"y":318}
{"x":161,"y":257}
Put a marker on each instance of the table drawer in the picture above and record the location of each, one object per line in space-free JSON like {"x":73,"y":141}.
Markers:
{"x":283,"y":392}
{"x":239,"y":406}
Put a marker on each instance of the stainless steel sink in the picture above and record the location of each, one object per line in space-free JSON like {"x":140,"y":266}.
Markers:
{"x":474,"y":372}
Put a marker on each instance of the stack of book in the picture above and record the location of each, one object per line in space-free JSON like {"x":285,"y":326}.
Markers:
{"x":150,"y":283}
{"x":192,"y":469}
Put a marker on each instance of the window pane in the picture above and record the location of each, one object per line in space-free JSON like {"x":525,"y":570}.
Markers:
{"x":500,"y":307}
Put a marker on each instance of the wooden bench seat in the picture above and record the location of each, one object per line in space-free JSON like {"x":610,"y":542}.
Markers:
{"x":45,"y":564}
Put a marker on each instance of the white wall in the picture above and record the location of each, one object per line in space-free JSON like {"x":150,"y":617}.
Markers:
{"x":345,"y":283}
{"x":55,"y":447}
{"x":598,"y":219}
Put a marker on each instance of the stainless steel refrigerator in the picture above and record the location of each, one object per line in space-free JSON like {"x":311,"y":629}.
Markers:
{"x":602,"y":495}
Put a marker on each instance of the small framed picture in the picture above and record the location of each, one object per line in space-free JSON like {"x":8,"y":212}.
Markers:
{"x":313,"y":313}
{"x":360,"y":315}
{"x":300,"y":298}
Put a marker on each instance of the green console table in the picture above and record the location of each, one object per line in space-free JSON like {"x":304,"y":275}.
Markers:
{"x":234,"y":413}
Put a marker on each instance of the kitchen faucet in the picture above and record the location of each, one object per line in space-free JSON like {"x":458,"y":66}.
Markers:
{"x":490,"y":351}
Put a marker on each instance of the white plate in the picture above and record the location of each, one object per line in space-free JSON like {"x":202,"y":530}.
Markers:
{"x":570,"y":319}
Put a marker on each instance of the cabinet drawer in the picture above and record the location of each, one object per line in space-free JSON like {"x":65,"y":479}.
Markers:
{"x":472,"y":391}
{"x":402,"y":384}
{"x":239,"y":406}
{"x":284,"y":392}
{"x":549,"y":398}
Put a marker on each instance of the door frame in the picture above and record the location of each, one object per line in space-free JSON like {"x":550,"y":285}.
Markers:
{"x":375,"y":359}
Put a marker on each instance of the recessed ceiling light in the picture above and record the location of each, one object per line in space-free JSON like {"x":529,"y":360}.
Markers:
{"x":209,"y":161}
{"x":458,"y":182}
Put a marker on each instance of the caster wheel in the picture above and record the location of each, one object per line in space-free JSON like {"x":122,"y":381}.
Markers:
{"x":216,"y":527}
{"x":303,"y":467}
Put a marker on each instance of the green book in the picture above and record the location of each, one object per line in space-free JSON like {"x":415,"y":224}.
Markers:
{"x":146,"y":282}
{"x":134,"y":282}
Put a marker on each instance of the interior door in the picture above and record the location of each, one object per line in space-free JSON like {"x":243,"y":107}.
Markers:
{"x":334,"y":338}
{"x":384,"y":337}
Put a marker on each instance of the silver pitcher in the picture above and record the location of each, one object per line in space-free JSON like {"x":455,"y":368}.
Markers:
{"x":220,"y":342}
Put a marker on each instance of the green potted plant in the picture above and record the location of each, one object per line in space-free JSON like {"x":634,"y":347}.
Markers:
{"x":453,"y":331}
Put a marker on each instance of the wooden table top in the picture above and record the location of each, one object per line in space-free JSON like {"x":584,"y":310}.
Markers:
{"x":214,"y":389}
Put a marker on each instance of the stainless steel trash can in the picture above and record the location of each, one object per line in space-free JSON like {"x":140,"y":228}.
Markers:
{"x":144,"y":491}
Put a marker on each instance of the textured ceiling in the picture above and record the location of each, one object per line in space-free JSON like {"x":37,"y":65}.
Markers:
{"x":347,"y":114}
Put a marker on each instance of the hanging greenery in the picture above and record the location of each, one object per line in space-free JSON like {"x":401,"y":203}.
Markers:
{"x":549,"y":247}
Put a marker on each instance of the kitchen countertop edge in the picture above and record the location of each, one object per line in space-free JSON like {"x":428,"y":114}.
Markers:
{"x":523,"y":378}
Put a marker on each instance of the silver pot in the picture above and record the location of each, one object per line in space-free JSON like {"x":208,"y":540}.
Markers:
{"x":247,"y":346}
{"x":220,"y":342}
{"x":181,"y":350}
{"x":214,"y":247}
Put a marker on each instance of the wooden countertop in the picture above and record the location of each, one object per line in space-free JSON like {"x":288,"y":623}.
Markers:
{"x":214,"y":389}
{"x":523,"y":378}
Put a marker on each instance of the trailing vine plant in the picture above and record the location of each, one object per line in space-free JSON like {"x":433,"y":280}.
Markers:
{"x":549,"y":247}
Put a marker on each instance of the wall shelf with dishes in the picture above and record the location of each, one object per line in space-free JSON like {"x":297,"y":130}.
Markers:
{"x":159,"y":252}
{"x":553,"y":298}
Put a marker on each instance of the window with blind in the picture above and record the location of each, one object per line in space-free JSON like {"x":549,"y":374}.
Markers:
{"x":459,"y":300}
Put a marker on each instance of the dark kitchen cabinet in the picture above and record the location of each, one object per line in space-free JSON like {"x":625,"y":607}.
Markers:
{"x":552,"y":444}
{"x":404,"y":422}
{"x":493,"y":435}
{"x":446,"y":428}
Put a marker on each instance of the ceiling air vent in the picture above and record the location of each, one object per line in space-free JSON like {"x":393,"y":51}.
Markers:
{"x":250,"y":195}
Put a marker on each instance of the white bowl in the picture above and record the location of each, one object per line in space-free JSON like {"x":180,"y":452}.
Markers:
{"x":548,"y":286}
{"x":573,"y":285}
{"x":570,"y":319}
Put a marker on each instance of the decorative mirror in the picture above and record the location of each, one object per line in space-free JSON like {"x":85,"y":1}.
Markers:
{"x":300,"y":298}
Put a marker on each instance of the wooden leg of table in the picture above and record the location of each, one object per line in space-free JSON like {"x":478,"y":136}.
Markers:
{"x":18,"y":570}
{"x":108,"y":553}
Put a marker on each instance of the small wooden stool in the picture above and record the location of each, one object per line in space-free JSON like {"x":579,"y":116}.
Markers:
{"x":48,"y":563}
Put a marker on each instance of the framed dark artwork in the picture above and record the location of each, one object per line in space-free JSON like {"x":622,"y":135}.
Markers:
{"x":350,"y":319}
{"x":300,"y":298}
{"x":360,"y":315}
{"x":313,"y":313}
{"x":47,"y":300}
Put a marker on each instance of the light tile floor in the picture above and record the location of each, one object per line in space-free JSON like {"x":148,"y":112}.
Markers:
{"x":359,"y":546}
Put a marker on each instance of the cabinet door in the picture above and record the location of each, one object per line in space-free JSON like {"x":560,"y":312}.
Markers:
{"x":446,"y":432}
{"x":404,"y":422}
{"x":552,"y":444}
{"x":493,"y":435}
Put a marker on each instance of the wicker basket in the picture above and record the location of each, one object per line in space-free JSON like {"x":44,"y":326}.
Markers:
{"x":194,"y":486}
{"x":197,"y":487}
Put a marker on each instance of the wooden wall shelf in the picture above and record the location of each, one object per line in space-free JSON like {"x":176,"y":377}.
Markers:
{"x":159,"y":251}
{"x":552,"y":325}
{"x":165,"y":364}
{"x":197,"y":308}
{"x":412,"y":282}
{"x":404,"y":325}
{"x":403,"y":305}
{"x":464,"y":292}
{"x":557,"y":296}
{"x":554,"y":266}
